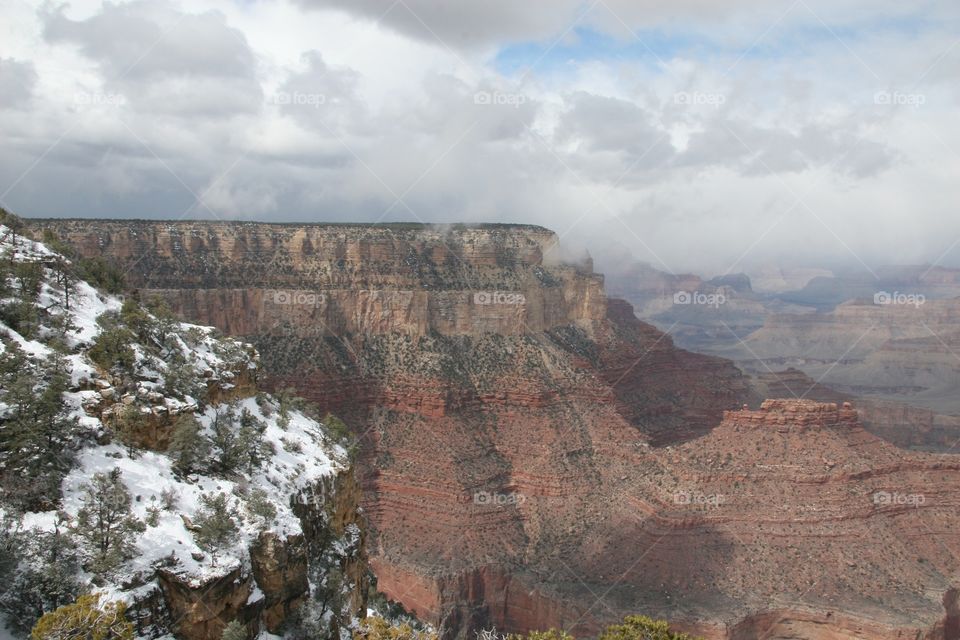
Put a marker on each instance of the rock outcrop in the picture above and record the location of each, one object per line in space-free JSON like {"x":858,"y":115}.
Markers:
{"x":898,"y":352}
{"x":533,"y":455}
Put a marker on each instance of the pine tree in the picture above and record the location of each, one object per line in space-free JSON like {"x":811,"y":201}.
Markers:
{"x":189,"y":448}
{"x":228,"y":450}
{"x":37,"y":435}
{"x":29,"y":277}
{"x":66,"y":279}
{"x":254,"y":448}
{"x":112,"y":351}
{"x":216,"y":522}
{"x":165,"y":322}
{"x":45,"y":577}
{"x":181,"y":379}
{"x":259,"y":506}
{"x":106,"y":523}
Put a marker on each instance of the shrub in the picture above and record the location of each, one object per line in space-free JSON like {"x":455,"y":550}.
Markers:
{"x":377,"y":628}
{"x":552,"y":634}
{"x":128,"y":425}
{"x":216,"y":522}
{"x":642,"y":628}
{"x":259,"y":506}
{"x":336,"y":427}
{"x":85,"y":620}
{"x":234,"y":631}
{"x":153,"y":515}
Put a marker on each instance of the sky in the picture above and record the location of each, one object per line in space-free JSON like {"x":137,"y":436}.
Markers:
{"x":697,"y":135}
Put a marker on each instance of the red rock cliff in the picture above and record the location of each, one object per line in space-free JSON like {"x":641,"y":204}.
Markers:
{"x":534,"y":456}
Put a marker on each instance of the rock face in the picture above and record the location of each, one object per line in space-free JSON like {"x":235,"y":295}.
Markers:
{"x":535,"y":456}
{"x":888,"y":336}
{"x":893,"y":352}
{"x":267,"y":594}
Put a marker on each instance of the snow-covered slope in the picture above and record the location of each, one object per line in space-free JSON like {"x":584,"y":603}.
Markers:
{"x":169,"y":412}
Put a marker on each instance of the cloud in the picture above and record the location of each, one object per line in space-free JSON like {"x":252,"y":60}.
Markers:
{"x":603,"y":124}
{"x":463,"y":24}
{"x":163,"y":60}
{"x":734,"y":129}
{"x":17,"y":80}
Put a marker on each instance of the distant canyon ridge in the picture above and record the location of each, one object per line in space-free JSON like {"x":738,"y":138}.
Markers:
{"x":533,"y":455}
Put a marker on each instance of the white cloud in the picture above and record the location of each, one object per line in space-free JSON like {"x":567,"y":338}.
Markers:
{"x":312,"y":111}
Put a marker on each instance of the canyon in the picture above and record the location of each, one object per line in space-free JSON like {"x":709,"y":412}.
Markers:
{"x":888,"y":338}
{"x":532,"y":455}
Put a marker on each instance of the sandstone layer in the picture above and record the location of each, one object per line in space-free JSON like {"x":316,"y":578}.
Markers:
{"x":533,"y":455}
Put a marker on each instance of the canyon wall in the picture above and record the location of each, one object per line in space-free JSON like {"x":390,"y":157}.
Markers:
{"x":533,"y":455}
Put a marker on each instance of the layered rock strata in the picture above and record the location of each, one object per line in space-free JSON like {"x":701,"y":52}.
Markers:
{"x":534,"y":456}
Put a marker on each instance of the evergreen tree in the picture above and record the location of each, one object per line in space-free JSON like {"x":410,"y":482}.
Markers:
{"x":37,"y":435}
{"x":29,"y":277}
{"x":181,"y":379}
{"x":254,"y":448}
{"x":112,"y":350}
{"x":227,"y":447}
{"x":216,"y":522}
{"x":102,"y":274}
{"x":65,"y":279}
{"x":165,"y":322}
{"x":137,"y":320}
{"x":189,"y":448}
{"x":45,"y":577}
{"x":259,"y":506}
{"x":106,"y":523}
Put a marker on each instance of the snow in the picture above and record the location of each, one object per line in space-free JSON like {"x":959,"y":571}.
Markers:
{"x":150,"y":474}
{"x":303,"y":455}
{"x":31,"y":348}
